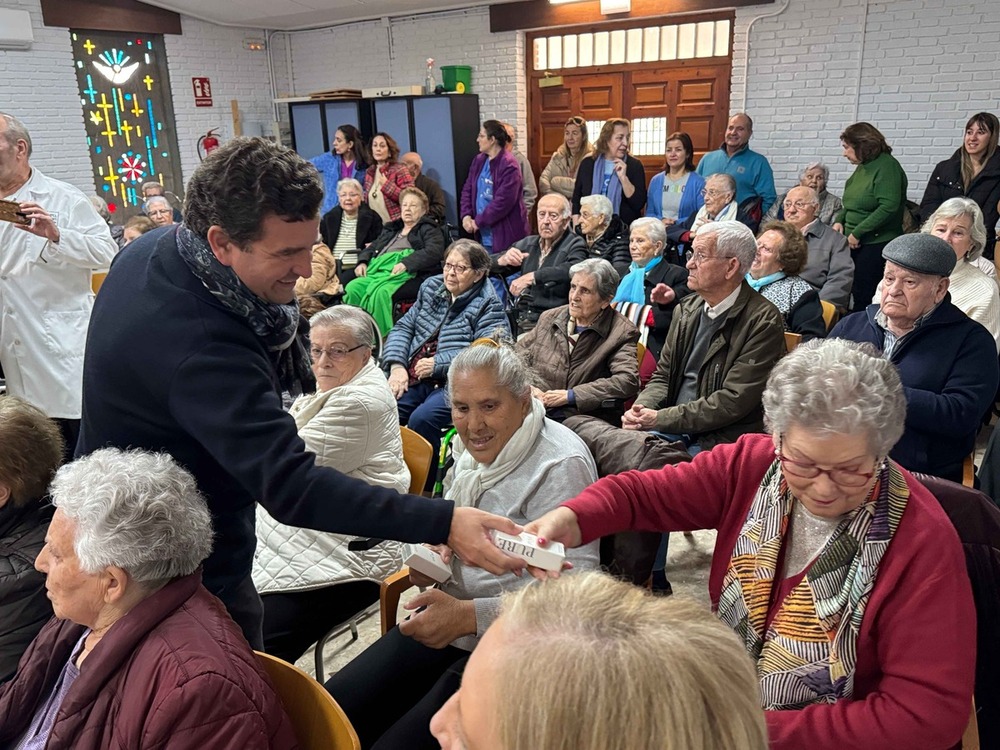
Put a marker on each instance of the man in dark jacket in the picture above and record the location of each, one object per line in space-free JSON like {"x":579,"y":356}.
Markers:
{"x":948,"y":368}
{"x":194,"y":340}
{"x":432,"y":189}
{"x":723,"y":341}
{"x":543,"y":261}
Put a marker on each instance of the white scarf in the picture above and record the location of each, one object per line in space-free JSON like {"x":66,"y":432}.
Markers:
{"x":470,"y":479}
{"x":726,"y":214}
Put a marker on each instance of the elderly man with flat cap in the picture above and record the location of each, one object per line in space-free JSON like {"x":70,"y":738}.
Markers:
{"x":946,"y":360}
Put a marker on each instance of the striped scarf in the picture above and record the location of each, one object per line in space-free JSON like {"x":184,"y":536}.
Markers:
{"x":808,"y":652}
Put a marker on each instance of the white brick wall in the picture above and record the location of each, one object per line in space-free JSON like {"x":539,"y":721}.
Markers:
{"x":38,"y":86}
{"x":927,"y":66}
{"x":205,"y":49}
{"x":370,"y":53}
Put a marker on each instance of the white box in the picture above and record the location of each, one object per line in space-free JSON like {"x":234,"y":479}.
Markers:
{"x":426,"y":561}
{"x":377,"y":92}
{"x":526,"y":547}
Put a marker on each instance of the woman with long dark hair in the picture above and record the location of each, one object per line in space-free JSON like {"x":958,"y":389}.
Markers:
{"x":675,"y":193}
{"x":347,"y":159}
{"x":386,"y":178}
{"x":973,"y":171}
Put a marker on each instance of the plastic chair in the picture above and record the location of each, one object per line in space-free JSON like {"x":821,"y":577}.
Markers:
{"x":319,"y":723}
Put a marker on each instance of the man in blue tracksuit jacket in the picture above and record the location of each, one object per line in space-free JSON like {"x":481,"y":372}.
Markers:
{"x":751,"y":170}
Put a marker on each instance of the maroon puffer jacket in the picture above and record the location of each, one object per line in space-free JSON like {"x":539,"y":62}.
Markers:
{"x":174,"y":673}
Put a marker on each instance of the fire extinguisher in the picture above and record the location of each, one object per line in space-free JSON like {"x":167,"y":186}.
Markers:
{"x":207,"y":144}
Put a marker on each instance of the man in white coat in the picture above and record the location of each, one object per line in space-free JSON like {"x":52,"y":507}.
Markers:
{"x":45,"y":292}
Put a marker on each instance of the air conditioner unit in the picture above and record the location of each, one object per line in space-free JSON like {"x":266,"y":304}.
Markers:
{"x":15,"y":29}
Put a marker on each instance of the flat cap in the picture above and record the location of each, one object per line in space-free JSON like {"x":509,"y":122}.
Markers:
{"x":923,"y":253}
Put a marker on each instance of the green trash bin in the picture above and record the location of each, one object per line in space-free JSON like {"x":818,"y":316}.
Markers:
{"x":457,"y":78}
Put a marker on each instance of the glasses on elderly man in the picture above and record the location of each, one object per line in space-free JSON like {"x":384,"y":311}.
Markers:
{"x":334,"y":352}
{"x":698,"y":257}
{"x":796,"y":204}
{"x":842,"y":477}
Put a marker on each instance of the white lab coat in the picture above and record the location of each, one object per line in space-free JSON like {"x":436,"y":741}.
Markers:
{"x":46,"y":296}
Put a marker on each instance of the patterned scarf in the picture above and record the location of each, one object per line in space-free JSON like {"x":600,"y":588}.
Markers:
{"x":726,"y":214}
{"x":808,"y":653}
{"x":281,"y":328}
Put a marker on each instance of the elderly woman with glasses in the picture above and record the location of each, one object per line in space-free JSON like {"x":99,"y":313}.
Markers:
{"x":310,"y":580}
{"x":815,"y":176}
{"x":452,"y":310}
{"x":720,"y":205}
{"x":605,"y":234}
{"x":781,"y":253}
{"x":583,"y":353}
{"x":510,"y":460}
{"x":139,"y":654}
{"x":838,"y":570}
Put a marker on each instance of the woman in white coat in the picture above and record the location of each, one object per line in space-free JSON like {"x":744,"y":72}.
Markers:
{"x":309,"y":580}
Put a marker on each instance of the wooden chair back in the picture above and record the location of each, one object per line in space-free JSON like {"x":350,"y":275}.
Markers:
{"x":319,"y":723}
{"x":830,"y":314}
{"x":96,"y":279}
{"x":389,"y":596}
{"x":792,"y":340}
{"x":418,"y":456}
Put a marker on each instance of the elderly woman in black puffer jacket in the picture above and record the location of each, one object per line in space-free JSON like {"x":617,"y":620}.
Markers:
{"x":32,"y":449}
{"x":604,"y":232}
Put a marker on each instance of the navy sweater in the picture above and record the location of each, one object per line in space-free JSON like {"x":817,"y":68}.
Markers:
{"x":167,"y":368}
{"x":949,"y":370}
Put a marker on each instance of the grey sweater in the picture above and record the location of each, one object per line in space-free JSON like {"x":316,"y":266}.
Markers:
{"x":557,"y":468}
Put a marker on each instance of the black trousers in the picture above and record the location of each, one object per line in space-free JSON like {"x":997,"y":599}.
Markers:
{"x":868,"y":269}
{"x":295,"y":620}
{"x":393,"y":688}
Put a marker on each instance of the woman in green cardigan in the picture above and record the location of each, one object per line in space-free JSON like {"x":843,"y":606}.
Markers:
{"x":874,"y":201}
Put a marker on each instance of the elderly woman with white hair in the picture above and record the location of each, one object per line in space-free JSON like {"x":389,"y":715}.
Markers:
{"x":139,"y":653}
{"x":510,"y":460}
{"x":653,"y":286}
{"x":310,"y":580}
{"x":605,"y":234}
{"x":838,"y":570}
{"x":159,"y":211}
{"x":814,"y":175}
{"x":583,"y":353}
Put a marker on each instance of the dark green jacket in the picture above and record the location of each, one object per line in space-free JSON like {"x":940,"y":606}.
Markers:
{"x":732,"y":378}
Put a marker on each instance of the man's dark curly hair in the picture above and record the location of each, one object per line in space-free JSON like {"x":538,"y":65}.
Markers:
{"x":241,"y":182}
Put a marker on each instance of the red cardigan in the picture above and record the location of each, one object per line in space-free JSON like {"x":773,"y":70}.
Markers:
{"x":174,"y":673}
{"x":916,"y":648}
{"x":397,"y":179}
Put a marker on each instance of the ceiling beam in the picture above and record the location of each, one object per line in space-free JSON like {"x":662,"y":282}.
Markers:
{"x":110,"y":15}
{"x":541,"y":14}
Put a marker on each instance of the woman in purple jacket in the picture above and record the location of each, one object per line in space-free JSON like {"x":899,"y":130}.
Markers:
{"x":492,"y":203}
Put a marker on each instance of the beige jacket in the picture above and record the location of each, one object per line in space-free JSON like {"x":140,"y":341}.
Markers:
{"x":559,"y":175}
{"x":323,"y":281}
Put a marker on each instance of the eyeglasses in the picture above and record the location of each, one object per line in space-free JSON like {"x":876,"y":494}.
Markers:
{"x":841,"y":477}
{"x":161,"y":212}
{"x":796,"y":204}
{"x":699,"y":257}
{"x":457,"y":268}
{"x":713,"y":193}
{"x":334,"y":353}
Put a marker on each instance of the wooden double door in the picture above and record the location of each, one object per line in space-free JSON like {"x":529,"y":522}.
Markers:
{"x":690,"y":97}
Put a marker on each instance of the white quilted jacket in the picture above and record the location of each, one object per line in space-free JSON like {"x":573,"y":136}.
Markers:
{"x":355,"y":429}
